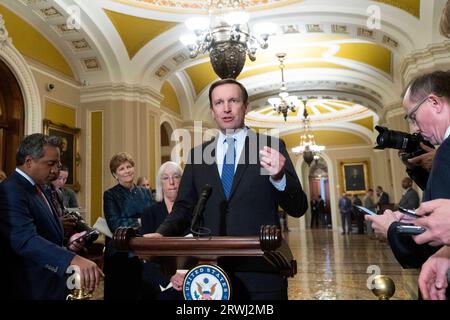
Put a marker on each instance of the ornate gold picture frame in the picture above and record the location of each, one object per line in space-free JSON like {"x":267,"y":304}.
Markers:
{"x":70,"y":156}
{"x":355,"y":177}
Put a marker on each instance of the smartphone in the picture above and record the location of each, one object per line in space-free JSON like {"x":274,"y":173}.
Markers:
{"x":409,"y":212}
{"x":90,"y":235}
{"x":410,"y":229}
{"x":364,"y":210}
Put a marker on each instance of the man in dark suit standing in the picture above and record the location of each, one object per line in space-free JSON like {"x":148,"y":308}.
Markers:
{"x":246,"y":189}
{"x":34,"y":261}
{"x":410,"y":198}
{"x":383,"y":199}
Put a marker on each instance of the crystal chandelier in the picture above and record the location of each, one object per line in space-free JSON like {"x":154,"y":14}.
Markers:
{"x":226,"y":36}
{"x":308,"y":146}
{"x":285,"y":102}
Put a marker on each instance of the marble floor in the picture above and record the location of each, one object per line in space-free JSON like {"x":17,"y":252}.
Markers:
{"x":332,"y":266}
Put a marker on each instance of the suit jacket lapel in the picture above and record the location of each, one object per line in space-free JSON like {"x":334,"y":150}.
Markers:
{"x":43,"y":206}
{"x":243,"y":163}
{"x":213,"y":171}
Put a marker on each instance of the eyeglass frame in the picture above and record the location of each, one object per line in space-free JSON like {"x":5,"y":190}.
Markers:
{"x":411,"y":116}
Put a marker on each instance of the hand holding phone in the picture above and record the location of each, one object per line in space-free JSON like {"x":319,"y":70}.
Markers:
{"x":410,"y":229}
{"x":91,"y":233}
{"x":364,"y":210}
{"x":408,"y":212}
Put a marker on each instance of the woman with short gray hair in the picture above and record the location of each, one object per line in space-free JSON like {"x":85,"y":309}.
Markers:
{"x":167,"y":183}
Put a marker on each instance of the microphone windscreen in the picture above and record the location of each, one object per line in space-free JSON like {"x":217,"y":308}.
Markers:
{"x":206,"y":191}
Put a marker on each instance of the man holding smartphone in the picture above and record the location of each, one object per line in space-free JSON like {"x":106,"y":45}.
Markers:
{"x":31,"y":236}
{"x":427,"y":106}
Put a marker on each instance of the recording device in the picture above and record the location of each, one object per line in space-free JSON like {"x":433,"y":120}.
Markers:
{"x":81,"y":225}
{"x":197,"y":228}
{"x":411,"y":213}
{"x":410,"y":229}
{"x":364,"y":210}
{"x":408,"y":143}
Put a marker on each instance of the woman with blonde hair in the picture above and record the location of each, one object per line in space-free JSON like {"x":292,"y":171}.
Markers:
{"x":123,"y":206}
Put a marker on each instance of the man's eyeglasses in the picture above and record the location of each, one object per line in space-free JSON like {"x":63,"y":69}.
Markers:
{"x":411,"y":115}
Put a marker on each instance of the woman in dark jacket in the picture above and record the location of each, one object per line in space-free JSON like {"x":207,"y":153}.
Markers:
{"x":167,"y":183}
{"x":123,"y":205}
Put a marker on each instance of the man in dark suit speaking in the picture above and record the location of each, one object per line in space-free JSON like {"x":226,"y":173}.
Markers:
{"x":250,"y":175}
{"x":34,"y":261}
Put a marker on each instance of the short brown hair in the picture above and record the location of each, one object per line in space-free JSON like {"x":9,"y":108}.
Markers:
{"x":437,"y":82}
{"x":225,"y":81}
{"x":118,"y":159}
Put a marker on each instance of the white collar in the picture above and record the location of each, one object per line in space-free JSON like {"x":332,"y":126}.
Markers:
{"x":447,"y":133}
{"x":239,"y":135}
{"x":23,"y":174}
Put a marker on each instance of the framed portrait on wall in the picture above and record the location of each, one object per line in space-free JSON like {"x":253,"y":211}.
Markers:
{"x":355,"y":177}
{"x":69,"y":153}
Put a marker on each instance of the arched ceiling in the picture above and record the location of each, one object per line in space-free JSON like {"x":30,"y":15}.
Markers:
{"x":349,"y":71}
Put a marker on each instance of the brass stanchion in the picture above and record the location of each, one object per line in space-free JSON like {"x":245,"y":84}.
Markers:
{"x":383,"y":287}
{"x":79,"y":294}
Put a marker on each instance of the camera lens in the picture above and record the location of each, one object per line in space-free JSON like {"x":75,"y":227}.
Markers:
{"x":392,"y":139}
{"x":409,"y":143}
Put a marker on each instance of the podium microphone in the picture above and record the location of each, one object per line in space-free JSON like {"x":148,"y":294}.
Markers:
{"x":197,"y":228}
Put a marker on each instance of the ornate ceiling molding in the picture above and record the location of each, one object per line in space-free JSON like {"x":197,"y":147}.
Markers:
{"x":121,"y":91}
{"x":434,"y":56}
{"x":199,"y":6}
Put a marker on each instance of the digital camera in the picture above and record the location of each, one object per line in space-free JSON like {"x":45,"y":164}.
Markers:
{"x":408,"y":143}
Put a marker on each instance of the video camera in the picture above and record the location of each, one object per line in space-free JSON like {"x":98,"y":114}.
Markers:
{"x":409,"y":143}
{"x":81,"y":225}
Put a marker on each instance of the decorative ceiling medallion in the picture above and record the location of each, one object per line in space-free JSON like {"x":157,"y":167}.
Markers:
{"x":51,"y":12}
{"x":81,"y":44}
{"x":162,"y":71}
{"x":314,"y":28}
{"x":366,"y":33}
{"x":64,"y":29}
{"x":290,"y":28}
{"x":91,"y":64}
{"x":179,"y":58}
{"x":335,"y":28}
{"x":390,"y":42}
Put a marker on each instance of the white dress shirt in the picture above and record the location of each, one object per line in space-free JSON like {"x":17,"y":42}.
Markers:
{"x":239,"y":136}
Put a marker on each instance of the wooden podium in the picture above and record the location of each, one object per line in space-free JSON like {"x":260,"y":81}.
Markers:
{"x":269,"y":244}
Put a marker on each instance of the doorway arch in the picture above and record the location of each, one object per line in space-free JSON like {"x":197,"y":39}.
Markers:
{"x":302,"y":170}
{"x":319,"y":190}
{"x":12,"y":110}
{"x":22,"y":72}
{"x":166,"y":142}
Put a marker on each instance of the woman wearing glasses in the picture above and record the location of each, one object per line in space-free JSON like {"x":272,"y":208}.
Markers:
{"x":154,"y":272}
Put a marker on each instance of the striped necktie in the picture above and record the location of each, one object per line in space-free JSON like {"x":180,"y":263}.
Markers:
{"x":228,"y":167}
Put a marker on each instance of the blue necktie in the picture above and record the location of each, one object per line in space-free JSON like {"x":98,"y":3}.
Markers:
{"x":228,"y":167}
